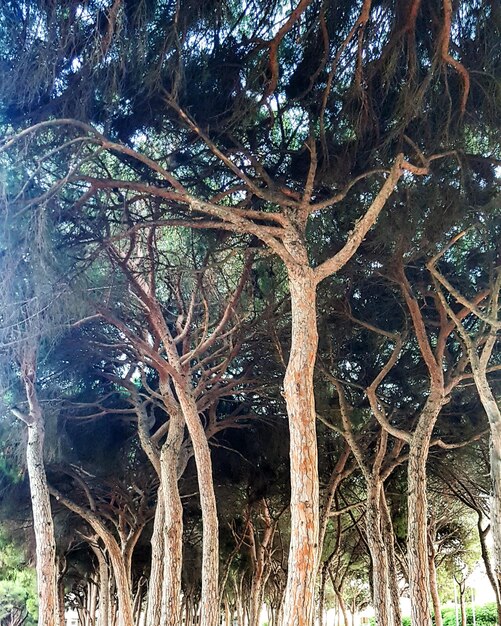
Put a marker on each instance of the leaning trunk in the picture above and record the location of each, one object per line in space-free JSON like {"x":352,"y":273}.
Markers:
{"x":298,"y":607}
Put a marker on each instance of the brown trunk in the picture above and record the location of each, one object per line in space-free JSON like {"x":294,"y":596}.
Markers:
{"x":209,"y":600}
{"x":437,"y":608}
{"x":496,"y":499}
{"x":43,"y":525}
{"x":462,"y":603}
{"x":173,"y":524}
{"x":121,"y":576}
{"x":321,"y":598}
{"x":482,"y":533}
{"x":298,"y":607}
{"x":104,"y":588}
{"x":379,"y":556}
{"x":155,"y":584}
{"x":417,"y":506}
{"x":342,"y":607}
{"x":419,"y":581}
{"x":334,"y":482}
{"x":493,"y":412}
{"x":389,"y":540}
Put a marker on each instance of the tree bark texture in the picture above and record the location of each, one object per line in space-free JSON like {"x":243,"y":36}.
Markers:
{"x":298,"y":608}
{"x":417,"y":523}
{"x":209,"y":601}
{"x":155,"y":584}
{"x":379,"y":556}
{"x":173,"y":523}
{"x":43,"y":525}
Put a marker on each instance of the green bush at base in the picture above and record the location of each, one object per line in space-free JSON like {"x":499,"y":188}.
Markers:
{"x":486,"y":615}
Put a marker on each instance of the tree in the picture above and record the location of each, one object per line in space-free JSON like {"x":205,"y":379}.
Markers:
{"x":272,"y":152}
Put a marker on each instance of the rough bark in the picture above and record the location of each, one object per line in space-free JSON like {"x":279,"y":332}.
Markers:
{"x":417,"y":523}
{"x":379,"y":556}
{"x":173,"y":524}
{"x":299,"y":597}
{"x":389,"y":540}
{"x":155,"y":586}
{"x":437,"y":607}
{"x":209,"y":601}
{"x":104,"y":585}
{"x":43,"y":525}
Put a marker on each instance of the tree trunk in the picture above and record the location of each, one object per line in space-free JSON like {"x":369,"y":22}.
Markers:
{"x":417,"y":506}
{"x":209,"y":600}
{"x":121,"y":576}
{"x":462,"y":602}
{"x":342,"y":607}
{"x":43,"y":525}
{"x":321,"y":598}
{"x":173,"y":524}
{"x":482,"y":533}
{"x":496,"y":498}
{"x":155,"y":583}
{"x":419,"y":580}
{"x":437,"y":608}
{"x":104,"y":588}
{"x":298,"y":607}
{"x":379,"y":556}
{"x":493,"y":412}
{"x":389,"y":540}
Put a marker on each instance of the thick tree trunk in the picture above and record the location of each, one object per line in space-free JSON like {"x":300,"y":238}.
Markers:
{"x":43,"y":526}
{"x":209,"y":600}
{"x":298,"y":607}
{"x":379,"y":556}
{"x":419,"y":580}
{"x":256,"y":596}
{"x":173,"y":524}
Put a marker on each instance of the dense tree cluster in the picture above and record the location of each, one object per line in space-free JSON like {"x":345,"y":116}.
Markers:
{"x":249,"y":306}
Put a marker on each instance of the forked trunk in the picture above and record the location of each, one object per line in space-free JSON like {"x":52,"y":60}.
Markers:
{"x":298,"y":607}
